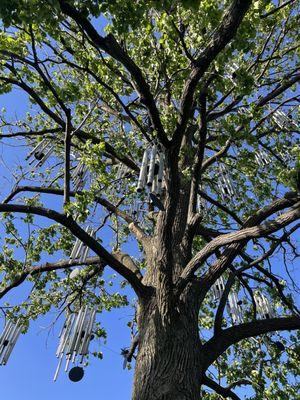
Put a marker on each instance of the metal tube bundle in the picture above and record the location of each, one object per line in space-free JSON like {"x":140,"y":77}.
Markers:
{"x":8,"y":340}
{"x":224,"y":183}
{"x":283,"y":120}
{"x":151,"y":171}
{"x":218,"y":288}
{"x":78,"y":176}
{"x":40,"y":153}
{"x":232,"y":72}
{"x":80,"y":251}
{"x":75,"y":337}
{"x":263,"y":306}
{"x":234,"y":308}
{"x":262,"y":158}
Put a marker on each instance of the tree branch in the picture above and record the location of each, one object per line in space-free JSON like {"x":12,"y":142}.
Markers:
{"x":88,"y":240}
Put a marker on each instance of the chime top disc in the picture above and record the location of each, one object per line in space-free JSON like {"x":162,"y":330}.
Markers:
{"x":76,"y":374}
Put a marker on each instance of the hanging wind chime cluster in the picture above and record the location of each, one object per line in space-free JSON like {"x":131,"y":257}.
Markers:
{"x":263,"y":306}
{"x":40,"y":153}
{"x":283,"y":120}
{"x":80,"y":250}
{"x":262,"y":158}
{"x":233,"y":305}
{"x":74,"y":342}
{"x":225,"y":183}
{"x":8,"y":340}
{"x":150,"y":183}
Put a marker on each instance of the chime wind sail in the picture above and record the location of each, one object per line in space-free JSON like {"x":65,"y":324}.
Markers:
{"x":40,"y":153}
{"x":263,"y":306}
{"x":80,"y":250}
{"x":8,"y":340}
{"x":75,"y":338}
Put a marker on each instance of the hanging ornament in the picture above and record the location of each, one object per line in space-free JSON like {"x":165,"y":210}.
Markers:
{"x":263,"y":305}
{"x":262,"y":158}
{"x":225,"y":184}
{"x":80,"y":250}
{"x":233,"y":72}
{"x":40,"y":153}
{"x":75,"y":338}
{"x":218,"y":288}
{"x":234,"y":308}
{"x":8,"y":340}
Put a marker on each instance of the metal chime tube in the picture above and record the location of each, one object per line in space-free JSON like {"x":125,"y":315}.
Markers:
{"x":143,"y":172}
{"x":4,"y":333}
{"x":81,"y":326}
{"x":15,"y":334}
{"x":154,"y":185}
{"x":87,"y":340}
{"x":152,"y":166}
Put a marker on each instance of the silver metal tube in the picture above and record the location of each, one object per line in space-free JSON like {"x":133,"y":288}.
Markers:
{"x":161,"y":167}
{"x":81,"y":326}
{"x":3,"y":335}
{"x":88,"y":338}
{"x":151,"y":166}
{"x":143,"y":172}
{"x":87,"y":332}
{"x":58,"y":367}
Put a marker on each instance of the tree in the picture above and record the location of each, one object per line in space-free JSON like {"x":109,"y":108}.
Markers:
{"x":212,"y":86}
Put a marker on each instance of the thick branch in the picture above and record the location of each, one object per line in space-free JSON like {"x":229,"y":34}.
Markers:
{"x":242,"y":235}
{"x":76,"y":230}
{"x":218,"y":344}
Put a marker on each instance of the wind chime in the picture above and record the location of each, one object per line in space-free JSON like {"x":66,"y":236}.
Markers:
{"x":78,"y":176}
{"x":75,"y":337}
{"x":262,"y":158}
{"x":225,"y":184}
{"x":40,"y":153}
{"x":218,"y":288}
{"x":234,"y":308}
{"x":80,"y":250}
{"x":8,"y":340}
{"x":283,"y":120}
{"x":263,"y":305}
{"x":233,"y":72}
{"x":151,"y":175}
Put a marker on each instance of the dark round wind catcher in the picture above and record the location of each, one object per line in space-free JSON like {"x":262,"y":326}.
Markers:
{"x":76,"y":374}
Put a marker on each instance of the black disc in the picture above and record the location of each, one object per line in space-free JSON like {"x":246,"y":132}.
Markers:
{"x":76,"y":374}
{"x":156,"y":202}
{"x":38,"y":155}
{"x":279,"y":345}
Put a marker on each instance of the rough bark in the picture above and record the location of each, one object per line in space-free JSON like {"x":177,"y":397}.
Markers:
{"x":168,"y":364}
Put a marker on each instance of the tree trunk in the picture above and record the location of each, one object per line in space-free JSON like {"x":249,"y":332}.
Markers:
{"x":168,"y":364}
